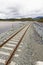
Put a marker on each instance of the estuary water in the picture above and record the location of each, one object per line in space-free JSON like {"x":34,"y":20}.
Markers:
{"x":5,"y":26}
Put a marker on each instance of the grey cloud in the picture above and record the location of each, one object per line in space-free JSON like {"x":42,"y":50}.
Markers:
{"x":13,"y":12}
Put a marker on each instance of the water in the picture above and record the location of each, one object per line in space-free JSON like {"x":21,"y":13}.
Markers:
{"x":5,"y":26}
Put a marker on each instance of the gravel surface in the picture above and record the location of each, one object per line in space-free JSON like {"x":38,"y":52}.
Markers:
{"x":30,"y":50}
{"x":4,"y":36}
{"x":39,"y":28}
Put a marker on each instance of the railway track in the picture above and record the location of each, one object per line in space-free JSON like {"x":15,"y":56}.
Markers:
{"x":1,"y":44}
{"x":7,"y":49}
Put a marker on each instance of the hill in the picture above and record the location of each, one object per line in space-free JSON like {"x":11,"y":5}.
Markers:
{"x":39,"y":19}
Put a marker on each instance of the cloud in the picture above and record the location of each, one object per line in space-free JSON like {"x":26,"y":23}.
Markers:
{"x":20,"y":8}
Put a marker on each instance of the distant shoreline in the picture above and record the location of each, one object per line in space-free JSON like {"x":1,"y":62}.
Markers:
{"x":23,"y":19}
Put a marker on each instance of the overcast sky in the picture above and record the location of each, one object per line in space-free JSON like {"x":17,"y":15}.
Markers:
{"x":21,"y":8}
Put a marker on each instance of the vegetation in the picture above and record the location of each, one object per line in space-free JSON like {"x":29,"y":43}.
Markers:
{"x":22,"y":19}
{"x":40,"y":20}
